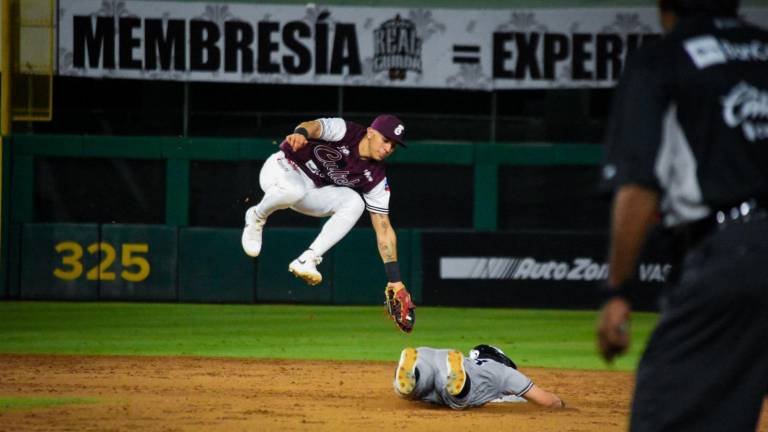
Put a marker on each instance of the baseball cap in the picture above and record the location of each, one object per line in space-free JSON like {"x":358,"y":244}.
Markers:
{"x":391,"y":127}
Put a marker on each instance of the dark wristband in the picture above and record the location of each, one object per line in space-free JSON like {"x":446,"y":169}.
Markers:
{"x":302,"y":131}
{"x":393,"y":271}
{"x":608,"y":292}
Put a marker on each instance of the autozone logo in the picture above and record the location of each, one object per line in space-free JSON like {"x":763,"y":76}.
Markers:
{"x":529,"y":268}
{"x":708,"y":50}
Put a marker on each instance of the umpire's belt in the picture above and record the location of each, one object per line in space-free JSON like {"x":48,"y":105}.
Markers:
{"x":753,"y":209}
{"x":750,"y":210}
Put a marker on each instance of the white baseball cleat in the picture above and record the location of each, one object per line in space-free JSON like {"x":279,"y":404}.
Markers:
{"x":405,"y":377}
{"x":305,"y":267}
{"x":254,"y":227}
{"x":457,"y":376}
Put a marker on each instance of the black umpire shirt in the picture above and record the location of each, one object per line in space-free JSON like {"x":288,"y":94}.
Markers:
{"x":690,"y":118}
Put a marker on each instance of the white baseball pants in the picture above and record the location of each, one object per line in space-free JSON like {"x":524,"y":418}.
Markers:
{"x":286,"y":186}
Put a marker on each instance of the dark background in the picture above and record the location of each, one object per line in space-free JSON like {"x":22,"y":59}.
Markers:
{"x":424,"y":196}
{"x":135,"y":107}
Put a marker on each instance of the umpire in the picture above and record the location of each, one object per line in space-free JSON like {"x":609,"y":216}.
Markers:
{"x":688,"y":139}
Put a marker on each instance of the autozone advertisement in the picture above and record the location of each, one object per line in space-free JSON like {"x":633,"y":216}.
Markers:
{"x":526,"y":269}
{"x":351,"y":46}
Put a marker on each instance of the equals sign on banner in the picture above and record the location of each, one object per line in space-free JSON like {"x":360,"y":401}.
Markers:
{"x":466,"y":54}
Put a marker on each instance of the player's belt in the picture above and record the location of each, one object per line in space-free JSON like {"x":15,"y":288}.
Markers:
{"x":750,"y":210}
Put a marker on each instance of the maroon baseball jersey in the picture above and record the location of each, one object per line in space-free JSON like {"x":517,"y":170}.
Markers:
{"x":338,"y":162}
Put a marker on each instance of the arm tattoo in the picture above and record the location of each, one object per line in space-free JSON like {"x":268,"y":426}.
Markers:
{"x":384,"y":226}
{"x":385,"y":249}
{"x":385,"y":238}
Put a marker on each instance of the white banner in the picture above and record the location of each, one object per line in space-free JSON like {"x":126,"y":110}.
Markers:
{"x":352,"y":46}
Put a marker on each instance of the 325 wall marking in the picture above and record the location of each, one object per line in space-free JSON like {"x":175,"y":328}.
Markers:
{"x":135,"y":268}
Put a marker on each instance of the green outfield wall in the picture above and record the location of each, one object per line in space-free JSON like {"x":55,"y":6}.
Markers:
{"x":141,"y":237}
{"x":485,"y":160}
{"x":114,"y":262}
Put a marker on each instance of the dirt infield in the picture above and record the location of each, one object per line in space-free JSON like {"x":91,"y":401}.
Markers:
{"x":188,"y":394}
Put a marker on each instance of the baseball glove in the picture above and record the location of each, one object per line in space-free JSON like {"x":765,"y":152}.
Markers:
{"x":400,"y":308}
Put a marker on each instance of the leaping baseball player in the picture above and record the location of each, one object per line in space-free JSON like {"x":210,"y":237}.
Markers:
{"x":332,"y":167}
{"x":447,"y":377}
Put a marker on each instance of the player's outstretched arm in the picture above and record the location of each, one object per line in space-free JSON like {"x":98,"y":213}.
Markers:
{"x":386,"y":239}
{"x":398,"y":300}
{"x":544,"y":398}
{"x":304,"y":131}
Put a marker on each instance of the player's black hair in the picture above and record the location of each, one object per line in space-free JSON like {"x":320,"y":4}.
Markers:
{"x":685,"y":8}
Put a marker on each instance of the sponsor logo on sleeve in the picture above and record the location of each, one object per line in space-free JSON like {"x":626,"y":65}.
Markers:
{"x":312,"y":167}
{"x":706,"y":51}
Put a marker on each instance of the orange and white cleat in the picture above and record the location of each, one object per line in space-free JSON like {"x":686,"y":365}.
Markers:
{"x":405,"y":377}
{"x":457,"y":376}
{"x":305,"y":267}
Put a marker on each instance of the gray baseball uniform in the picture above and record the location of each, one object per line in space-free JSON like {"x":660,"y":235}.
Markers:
{"x":488,"y":379}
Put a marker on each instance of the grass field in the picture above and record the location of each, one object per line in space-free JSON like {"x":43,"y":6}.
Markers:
{"x":7,"y":403}
{"x":544,"y":338}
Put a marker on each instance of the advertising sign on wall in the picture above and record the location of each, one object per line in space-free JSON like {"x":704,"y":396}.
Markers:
{"x":530,"y":269}
{"x":351,"y":46}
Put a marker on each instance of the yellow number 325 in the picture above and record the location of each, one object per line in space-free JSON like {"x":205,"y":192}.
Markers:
{"x":135,"y":268}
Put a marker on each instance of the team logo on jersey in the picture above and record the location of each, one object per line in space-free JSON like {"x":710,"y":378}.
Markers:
{"x":367,"y":174}
{"x":329,"y":157}
{"x":747,"y":106}
{"x":344,"y":150}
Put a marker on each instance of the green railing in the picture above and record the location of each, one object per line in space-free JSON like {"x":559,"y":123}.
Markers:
{"x":177,"y":152}
{"x":28,"y":265}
